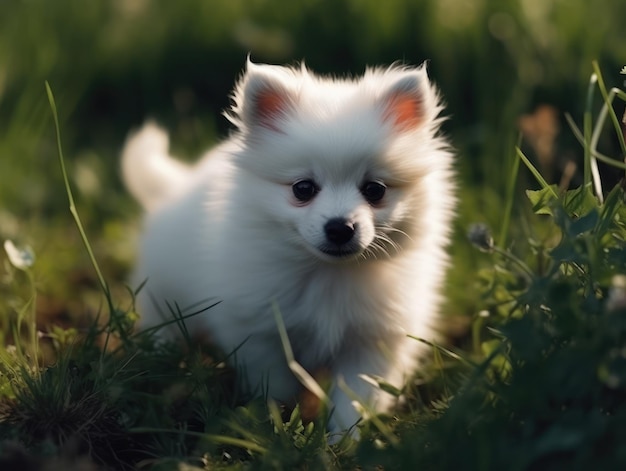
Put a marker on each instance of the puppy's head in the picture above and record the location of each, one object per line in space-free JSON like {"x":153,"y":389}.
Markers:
{"x":345,"y":168}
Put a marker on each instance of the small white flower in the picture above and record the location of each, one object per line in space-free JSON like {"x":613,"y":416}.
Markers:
{"x":22,"y":258}
{"x":623,"y":71}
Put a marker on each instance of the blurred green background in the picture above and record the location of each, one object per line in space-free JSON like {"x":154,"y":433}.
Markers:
{"x":112,"y":64}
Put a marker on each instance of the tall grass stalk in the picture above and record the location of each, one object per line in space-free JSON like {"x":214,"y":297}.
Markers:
{"x":510,"y":197}
{"x":581,"y":139}
{"x":535,"y":172}
{"x":608,"y":101}
{"x":590,"y":166}
{"x":590,"y":135}
{"x":70,"y":196}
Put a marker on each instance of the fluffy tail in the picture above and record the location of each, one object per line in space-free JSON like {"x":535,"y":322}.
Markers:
{"x":150,"y":174}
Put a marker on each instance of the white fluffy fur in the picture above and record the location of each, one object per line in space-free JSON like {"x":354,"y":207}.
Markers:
{"x":230,"y":229}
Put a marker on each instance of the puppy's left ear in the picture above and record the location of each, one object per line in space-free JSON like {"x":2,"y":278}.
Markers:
{"x":409,"y":102}
{"x":263,"y":97}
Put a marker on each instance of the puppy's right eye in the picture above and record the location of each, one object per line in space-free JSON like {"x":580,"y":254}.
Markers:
{"x":304,"y":190}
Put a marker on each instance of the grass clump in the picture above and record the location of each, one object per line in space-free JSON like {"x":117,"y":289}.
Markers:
{"x":541,"y":384}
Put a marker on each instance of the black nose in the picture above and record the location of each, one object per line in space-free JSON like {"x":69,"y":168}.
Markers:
{"x":339,"y":231}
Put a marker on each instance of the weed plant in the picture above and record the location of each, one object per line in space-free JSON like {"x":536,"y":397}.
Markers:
{"x":541,"y":386}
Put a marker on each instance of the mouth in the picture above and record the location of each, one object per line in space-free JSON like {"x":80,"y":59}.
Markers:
{"x":340,"y":252}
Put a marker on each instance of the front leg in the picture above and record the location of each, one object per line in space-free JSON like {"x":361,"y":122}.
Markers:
{"x":365,"y":359}
{"x":261,"y":364}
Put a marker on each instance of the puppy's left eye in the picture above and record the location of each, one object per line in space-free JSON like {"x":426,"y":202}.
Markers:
{"x":373,"y":192}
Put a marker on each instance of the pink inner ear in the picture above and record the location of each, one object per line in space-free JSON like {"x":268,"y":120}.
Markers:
{"x":405,"y":110}
{"x":270,"y":106}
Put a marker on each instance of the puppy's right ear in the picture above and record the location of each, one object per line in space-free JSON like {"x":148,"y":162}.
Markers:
{"x":262,"y":98}
{"x":266,"y":103}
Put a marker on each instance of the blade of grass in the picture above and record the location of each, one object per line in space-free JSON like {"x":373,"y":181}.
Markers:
{"x":369,"y":413}
{"x":598,"y":155}
{"x":83,"y":235}
{"x":274,"y":411}
{"x":176,"y":319}
{"x":535,"y":172}
{"x":447,"y":351}
{"x":70,"y":197}
{"x":608,"y":100}
{"x":508,"y":208}
{"x":303,"y":376}
{"x":590,"y":168}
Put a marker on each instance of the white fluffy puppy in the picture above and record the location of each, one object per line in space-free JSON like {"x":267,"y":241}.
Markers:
{"x":332,"y":201}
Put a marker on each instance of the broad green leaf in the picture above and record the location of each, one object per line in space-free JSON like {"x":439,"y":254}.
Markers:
{"x":580,"y":201}
{"x":543,"y":199}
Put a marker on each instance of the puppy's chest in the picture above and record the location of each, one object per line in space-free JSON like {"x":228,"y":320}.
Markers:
{"x":325,"y":314}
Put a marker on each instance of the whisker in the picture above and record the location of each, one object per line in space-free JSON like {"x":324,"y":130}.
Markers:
{"x":388,"y":240}
{"x":382,"y":238}
{"x":398,"y":231}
